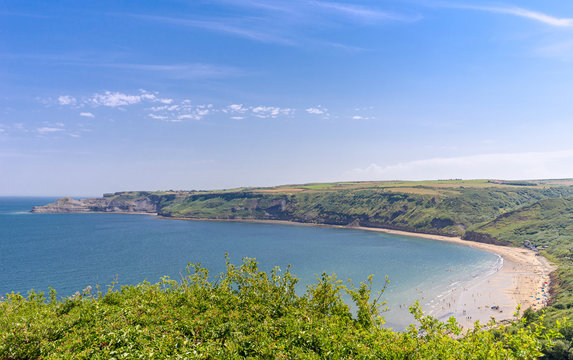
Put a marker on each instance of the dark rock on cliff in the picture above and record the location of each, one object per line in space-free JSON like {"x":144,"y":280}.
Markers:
{"x":484,"y":238}
{"x":106,"y":204}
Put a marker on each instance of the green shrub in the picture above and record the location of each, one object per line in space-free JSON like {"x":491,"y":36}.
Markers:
{"x":242,"y":313}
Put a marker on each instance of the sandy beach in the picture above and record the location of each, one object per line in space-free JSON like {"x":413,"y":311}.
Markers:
{"x":522,"y":279}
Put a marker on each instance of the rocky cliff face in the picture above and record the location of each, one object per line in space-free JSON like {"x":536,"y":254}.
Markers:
{"x":484,"y":238}
{"x":105,"y":204}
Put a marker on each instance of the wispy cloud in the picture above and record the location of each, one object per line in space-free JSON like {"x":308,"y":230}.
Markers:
{"x":265,"y":112}
{"x":272,"y":5}
{"x":48,"y":130}
{"x":115,"y":99}
{"x":153,"y":106}
{"x":66,"y":100}
{"x":157,"y":117}
{"x":525,"y":165}
{"x":361,"y":12}
{"x":248,"y":28}
{"x":107,"y":98}
{"x":184,"y":110}
{"x":514,"y":11}
{"x":196,"y":70}
{"x":318,"y":110}
{"x":181,"y":71}
{"x":262,"y":112}
{"x":363,"y":117}
{"x":236,"y":108}
{"x":284,"y":22}
{"x":320,"y":8}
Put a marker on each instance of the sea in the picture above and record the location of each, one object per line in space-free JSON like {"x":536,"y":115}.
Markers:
{"x":68,"y":252}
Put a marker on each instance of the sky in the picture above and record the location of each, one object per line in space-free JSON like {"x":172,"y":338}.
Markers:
{"x":104,"y":96}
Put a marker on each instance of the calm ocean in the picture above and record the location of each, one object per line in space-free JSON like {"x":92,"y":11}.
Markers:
{"x":70,"y":251}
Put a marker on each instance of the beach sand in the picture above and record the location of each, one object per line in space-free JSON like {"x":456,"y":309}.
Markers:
{"x":522,"y":279}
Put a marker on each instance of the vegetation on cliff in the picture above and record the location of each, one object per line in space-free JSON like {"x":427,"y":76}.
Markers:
{"x":442,"y":207}
{"x":546,"y":225}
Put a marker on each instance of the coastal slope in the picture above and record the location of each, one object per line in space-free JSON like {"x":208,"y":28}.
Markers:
{"x":448,"y":208}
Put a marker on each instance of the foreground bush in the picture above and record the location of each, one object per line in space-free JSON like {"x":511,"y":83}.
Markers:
{"x":242,"y":313}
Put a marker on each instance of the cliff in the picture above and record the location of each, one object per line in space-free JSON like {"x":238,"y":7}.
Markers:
{"x":140,"y":202}
{"x":440,"y":207}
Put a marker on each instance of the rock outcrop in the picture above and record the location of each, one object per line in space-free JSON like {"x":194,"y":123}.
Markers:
{"x":105,"y":204}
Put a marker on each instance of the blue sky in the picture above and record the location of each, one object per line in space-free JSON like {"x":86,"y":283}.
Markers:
{"x":103,"y":96}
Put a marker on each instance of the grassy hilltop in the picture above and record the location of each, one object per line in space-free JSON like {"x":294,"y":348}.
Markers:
{"x":442,"y":207}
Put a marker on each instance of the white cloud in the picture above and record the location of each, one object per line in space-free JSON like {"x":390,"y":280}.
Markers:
{"x":164,"y":101}
{"x":2,"y":130}
{"x":318,"y":110}
{"x":237,"y":117}
{"x":48,"y":130}
{"x":183,"y":111}
{"x":361,"y":117}
{"x":282,"y":22}
{"x":202,"y":112}
{"x":196,"y":114}
{"x":157,"y":117}
{"x":87,"y":114}
{"x":521,"y":12}
{"x":189,"y":116}
{"x":66,"y":100}
{"x":114,"y":99}
{"x":165,"y":108}
{"x":528,"y":165}
{"x":360,"y":12}
{"x":238,"y":108}
{"x":226,"y":26}
{"x":264,"y":112}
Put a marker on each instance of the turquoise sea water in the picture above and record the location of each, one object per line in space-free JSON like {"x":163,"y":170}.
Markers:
{"x":70,"y":251}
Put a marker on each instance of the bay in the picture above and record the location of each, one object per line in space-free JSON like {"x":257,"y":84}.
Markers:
{"x":71,"y":251}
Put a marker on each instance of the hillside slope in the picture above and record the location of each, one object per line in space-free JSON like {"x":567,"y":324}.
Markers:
{"x":548,"y":226}
{"x":439,"y":207}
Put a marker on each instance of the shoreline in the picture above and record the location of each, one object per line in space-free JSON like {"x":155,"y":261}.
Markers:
{"x":521,"y":279}
{"x":98,"y":212}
